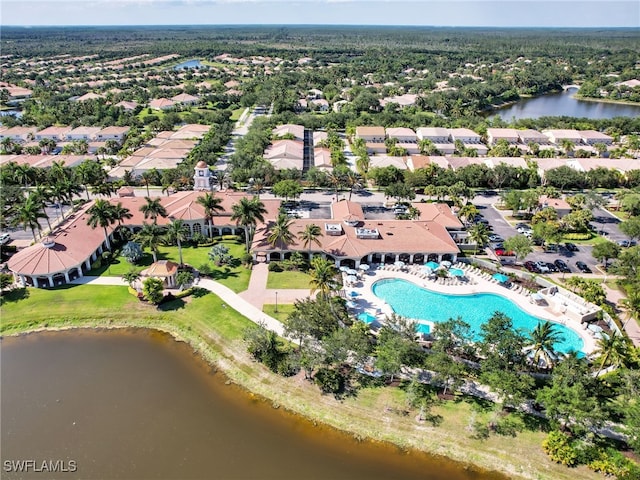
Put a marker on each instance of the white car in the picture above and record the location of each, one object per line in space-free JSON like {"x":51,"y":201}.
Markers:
{"x":4,"y":238}
{"x":542,"y":266}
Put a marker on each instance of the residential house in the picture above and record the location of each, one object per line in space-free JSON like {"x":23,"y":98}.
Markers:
{"x":496,"y":134}
{"x":469,"y":139}
{"x":83,"y":133}
{"x":161,"y":104}
{"x":186,"y":99}
{"x":374,"y":138}
{"x":297,"y":131}
{"x":58,"y":134}
{"x":18,"y":134}
{"x":112,"y":133}
{"x":406,"y":137}
{"x":558,"y":204}
{"x":440,"y":137}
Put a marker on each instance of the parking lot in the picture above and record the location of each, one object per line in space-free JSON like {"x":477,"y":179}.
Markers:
{"x":503,"y":228}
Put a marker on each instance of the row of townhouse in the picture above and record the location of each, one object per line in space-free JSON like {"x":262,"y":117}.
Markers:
{"x":290,"y":145}
{"x":444,"y":139}
{"x":63,"y":134}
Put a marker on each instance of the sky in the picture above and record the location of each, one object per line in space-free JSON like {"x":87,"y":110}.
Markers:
{"x":461,"y":13}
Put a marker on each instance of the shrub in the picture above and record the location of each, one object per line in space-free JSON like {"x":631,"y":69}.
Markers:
{"x":329,"y":380}
{"x":247,"y":259}
{"x":577,"y":236}
{"x":559,"y":449}
{"x":205,"y":269}
{"x":275,"y":267}
{"x":106,"y":257}
{"x":132,"y":252}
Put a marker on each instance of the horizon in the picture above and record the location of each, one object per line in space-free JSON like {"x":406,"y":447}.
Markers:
{"x":575,"y":14}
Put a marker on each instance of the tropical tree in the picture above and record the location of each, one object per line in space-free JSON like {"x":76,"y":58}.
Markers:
{"x":152,"y":290}
{"x":468,"y":212}
{"x":310,"y":235}
{"x":27,"y":215}
{"x":101,"y":215}
{"x":211,"y":205}
{"x":248,"y":212}
{"x":614,"y":349}
{"x":604,"y":251}
{"x":280,"y":232}
{"x":121,"y":213}
{"x":479,"y":233}
{"x":153,"y":209}
{"x":323,"y":276}
{"x":177,"y":232}
{"x":631,"y":228}
{"x":131,"y":276}
{"x":521,"y":245}
{"x":151,"y":236}
{"x":543,"y":338}
{"x":631,"y":306}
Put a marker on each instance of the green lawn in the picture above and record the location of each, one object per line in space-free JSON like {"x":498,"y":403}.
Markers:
{"x":235,"y":114}
{"x":283,"y":311}
{"x":288,"y":280}
{"x":89,"y":305}
{"x":234,"y":276}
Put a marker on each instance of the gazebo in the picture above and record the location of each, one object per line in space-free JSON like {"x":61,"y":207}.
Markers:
{"x":164,"y":270}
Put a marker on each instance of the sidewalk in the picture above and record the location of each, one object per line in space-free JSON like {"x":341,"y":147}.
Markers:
{"x":259,"y":295}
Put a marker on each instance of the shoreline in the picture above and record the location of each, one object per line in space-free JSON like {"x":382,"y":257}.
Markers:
{"x":304,"y":399}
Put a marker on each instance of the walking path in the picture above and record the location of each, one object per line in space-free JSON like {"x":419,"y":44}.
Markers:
{"x":249,"y":303}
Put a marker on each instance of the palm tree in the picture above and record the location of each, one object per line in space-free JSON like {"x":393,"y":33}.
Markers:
{"x":479,"y":233}
{"x":614,"y":349}
{"x":248,"y":212}
{"x":280,"y":232}
{"x":543,"y":338}
{"x":28,"y":213}
{"x":631,"y":305}
{"x":131,"y":276}
{"x":153,"y":209}
{"x":310,"y":235}
{"x":23,"y":174}
{"x":151,"y":236}
{"x":468,"y":212}
{"x":101,"y":214}
{"x":177,"y":232}
{"x":59,"y":194}
{"x":104,"y":188}
{"x":43,"y":194}
{"x":323,"y":276}
{"x":211,"y":205}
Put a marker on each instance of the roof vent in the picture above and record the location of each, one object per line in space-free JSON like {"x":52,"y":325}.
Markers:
{"x":48,"y":242}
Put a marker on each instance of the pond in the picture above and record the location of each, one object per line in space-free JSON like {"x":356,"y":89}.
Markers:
{"x":564,"y":104}
{"x":188,"y":64}
{"x":137,"y":404}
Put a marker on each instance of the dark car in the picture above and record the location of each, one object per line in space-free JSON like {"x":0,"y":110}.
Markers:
{"x":532,"y":267}
{"x":571,"y":247}
{"x":552,"y":267}
{"x":562,"y":266}
{"x":583,"y":267}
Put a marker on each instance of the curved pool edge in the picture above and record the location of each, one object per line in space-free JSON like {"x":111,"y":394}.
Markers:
{"x":482,"y":287}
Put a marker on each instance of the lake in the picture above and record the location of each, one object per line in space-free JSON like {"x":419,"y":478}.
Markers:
{"x":136,"y":404}
{"x":188,"y":64}
{"x":563,"y":104}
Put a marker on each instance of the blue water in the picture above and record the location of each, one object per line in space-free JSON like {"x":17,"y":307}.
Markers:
{"x":188,"y":64}
{"x":412,"y":301}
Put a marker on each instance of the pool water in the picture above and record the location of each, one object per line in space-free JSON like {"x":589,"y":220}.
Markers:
{"x":409,"y":300}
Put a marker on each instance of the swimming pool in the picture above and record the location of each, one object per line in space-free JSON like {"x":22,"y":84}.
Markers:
{"x":411,"y":301}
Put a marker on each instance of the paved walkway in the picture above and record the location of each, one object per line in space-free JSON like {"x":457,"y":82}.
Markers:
{"x":259,"y":295}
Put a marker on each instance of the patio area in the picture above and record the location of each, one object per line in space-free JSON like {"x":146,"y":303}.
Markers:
{"x":473,"y":281}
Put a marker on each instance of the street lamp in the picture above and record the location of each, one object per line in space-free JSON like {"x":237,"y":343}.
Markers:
{"x":276,"y":302}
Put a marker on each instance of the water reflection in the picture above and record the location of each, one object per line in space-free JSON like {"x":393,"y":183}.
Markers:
{"x":564,"y":104}
{"x":136,"y":404}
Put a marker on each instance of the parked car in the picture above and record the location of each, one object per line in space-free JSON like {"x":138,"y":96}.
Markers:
{"x":532,"y":267}
{"x":552,"y":268}
{"x":627,"y":243}
{"x":495,"y":238}
{"x":522,"y":225}
{"x":525,"y":229}
{"x":552,"y":247}
{"x":583,"y":267}
{"x":572,"y":247}
{"x":4,"y":238}
{"x":542,"y":267}
{"x":562,"y":266}
{"x":502,"y":252}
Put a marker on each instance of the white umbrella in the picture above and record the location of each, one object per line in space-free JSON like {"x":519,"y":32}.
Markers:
{"x":399,"y":263}
{"x":352,"y":279}
{"x":351,"y":271}
{"x":446,"y":264}
{"x":344,"y":268}
{"x":364,"y":266}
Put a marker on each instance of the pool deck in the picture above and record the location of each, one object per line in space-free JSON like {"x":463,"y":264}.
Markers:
{"x":477,"y":283}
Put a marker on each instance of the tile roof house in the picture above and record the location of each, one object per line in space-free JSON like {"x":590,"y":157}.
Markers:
{"x":54,"y":133}
{"x":508,"y":134}
{"x":161,"y":104}
{"x":289,"y":129}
